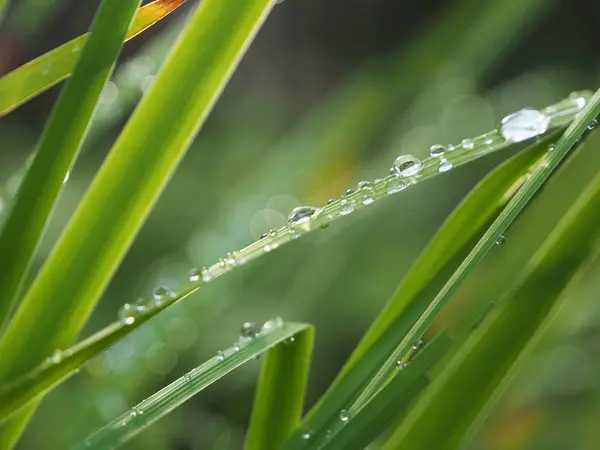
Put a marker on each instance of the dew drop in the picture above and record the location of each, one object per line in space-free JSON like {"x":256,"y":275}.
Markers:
{"x":306,"y":436}
{"x":220,"y":356}
{"x":365,"y":185}
{"x":593,"y":124}
{"x":350,"y":191}
{"x":331,"y":200}
{"x":468,"y":144}
{"x":523,"y":125}
{"x":294,"y":233}
{"x":129,"y":320}
{"x":551,"y":147}
{"x":302,"y":214}
{"x":451,"y":148}
{"x":407,"y":166}
{"x":437,"y":150}
{"x":401,"y":366}
{"x":272,"y":324}
{"x":346,"y":207}
{"x":195,"y":275}
{"x":187,"y":377}
{"x":229,"y":259}
{"x":250,"y":330}
{"x":206,"y":275}
{"x":264,"y":235}
{"x":57,"y":356}
{"x":132,"y":414}
{"x":236,"y":348}
{"x":160,"y":292}
{"x":578,"y":99}
{"x":501,"y":239}
{"x":344,"y":415}
{"x":395,"y":184}
{"x":445,"y":165}
{"x":368,"y":200}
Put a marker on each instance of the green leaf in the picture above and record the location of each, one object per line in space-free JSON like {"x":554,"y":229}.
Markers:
{"x":129,"y":183}
{"x":167,"y":399}
{"x":530,"y":187}
{"x":476,"y":376}
{"x":444,"y":253}
{"x":279,"y":400}
{"x":35,"y":77}
{"x":58,"y":147}
{"x":393,"y":400}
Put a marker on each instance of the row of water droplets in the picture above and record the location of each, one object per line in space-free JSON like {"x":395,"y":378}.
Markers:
{"x":154,"y":407}
{"x":406,"y":171}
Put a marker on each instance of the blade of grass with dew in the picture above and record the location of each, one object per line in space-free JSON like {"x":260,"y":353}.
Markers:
{"x":145,"y":156}
{"x":360,"y":429}
{"x":431,"y":270}
{"x":35,"y":77}
{"x":158,"y":405}
{"x":58,"y":147}
{"x":279,"y":399}
{"x":540,"y":174}
{"x":491,"y":357}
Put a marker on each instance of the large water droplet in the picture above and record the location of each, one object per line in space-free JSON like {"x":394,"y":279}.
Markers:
{"x":395,"y":184}
{"x":501,"y":239}
{"x":407,"y":166}
{"x":523,"y":125}
{"x":437,"y":150}
{"x":272,"y":324}
{"x":344,"y":415}
{"x":346,"y":207}
{"x":445,"y":165}
{"x":302,"y":214}
{"x":250,"y":330}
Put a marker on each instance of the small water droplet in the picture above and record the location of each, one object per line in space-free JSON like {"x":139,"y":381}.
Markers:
{"x":445,"y":165}
{"x":346,"y":207}
{"x":132,"y":414}
{"x":401,"y":366}
{"x":195,"y":275}
{"x":206,"y":275}
{"x":331,"y":200}
{"x":264,"y":235}
{"x":294,"y":233}
{"x":235,"y":347}
{"x":230,"y":260}
{"x":272,"y":324}
{"x":250,"y":330}
{"x":350,"y":191}
{"x":272,"y":246}
{"x":129,"y":320}
{"x":437,"y":150}
{"x":306,"y":435}
{"x":57,"y":356}
{"x":140,"y":412}
{"x":578,"y":99}
{"x":488,"y":141}
{"x":593,"y":124}
{"x":501,"y":239}
{"x":220,"y":356}
{"x":291,"y":340}
{"x":362,"y":185}
{"x":551,"y":147}
{"x":407,"y":166}
{"x":523,"y":125}
{"x":302,"y":214}
{"x":468,"y":144}
{"x":368,"y":200}
{"x":344,"y":415}
{"x":160,"y":292}
{"x":187,"y":377}
{"x":396,"y":184}
{"x":451,"y":148}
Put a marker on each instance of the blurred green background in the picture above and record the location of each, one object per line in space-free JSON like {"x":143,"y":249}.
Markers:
{"x":330,"y":92}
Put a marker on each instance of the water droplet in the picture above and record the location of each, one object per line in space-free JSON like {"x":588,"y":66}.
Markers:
{"x":451,"y":148}
{"x":445,"y":165}
{"x":187,"y":377}
{"x":294,"y":233}
{"x":140,"y":412}
{"x":331,"y":200}
{"x":229,"y":259}
{"x":160,"y":292}
{"x":468,"y":144}
{"x":272,"y":324}
{"x":501,"y":239}
{"x":437,"y":150}
{"x":57,"y":356}
{"x":129,"y":320}
{"x":302,"y":214}
{"x":593,"y":124}
{"x":306,"y":435}
{"x":407,"y":166}
{"x":350,"y":191}
{"x":346,"y":207}
{"x":365,"y":185}
{"x":578,"y":99}
{"x":220,"y":356}
{"x":271,"y":246}
{"x":236,"y":348}
{"x":206,"y":275}
{"x":132,"y":414}
{"x":396,"y":184}
{"x":401,"y":366}
{"x":195,"y":275}
{"x":368,"y":200}
{"x":250,"y":330}
{"x":551,"y":147}
{"x":344,"y":415}
{"x":523,"y":125}
{"x":367,"y":188}
{"x":291,"y":340}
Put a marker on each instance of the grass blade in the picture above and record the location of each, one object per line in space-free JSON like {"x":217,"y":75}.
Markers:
{"x":393,"y":400}
{"x":491,"y":356}
{"x":129,"y":182}
{"x":158,"y":405}
{"x":58,"y":147}
{"x":279,"y":399}
{"x":35,"y":77}
{"x":538,"y":177}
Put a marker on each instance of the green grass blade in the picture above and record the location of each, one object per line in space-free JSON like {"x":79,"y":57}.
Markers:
{"x":437,"y":262}
{"x":158,"y":405}
{"x":474,"y":378}
{"x":58,"y":147}
{"x":393,"y":400}
{"x":279,"y":400}
{"x":35,"y":77}
{"x":129,"y":182}
{"x":3,"y":8}
{"x":538,"y":177}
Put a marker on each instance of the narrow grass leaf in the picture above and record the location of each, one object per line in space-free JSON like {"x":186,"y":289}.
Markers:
{"x":492,"y":355}
{"x":167,"y":399}
{"x":530,"y":187}
{"x":58,"y":147}
{"x":35,"y":77}
{"x":279,"y":400}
